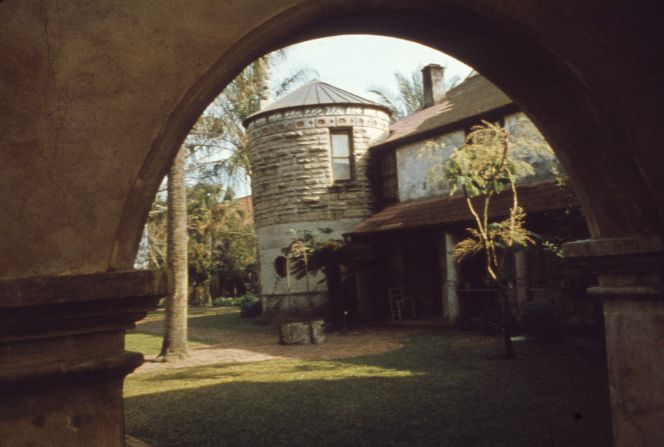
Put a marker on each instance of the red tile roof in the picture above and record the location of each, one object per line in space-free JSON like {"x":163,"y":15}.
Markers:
{"x":438,"y":211}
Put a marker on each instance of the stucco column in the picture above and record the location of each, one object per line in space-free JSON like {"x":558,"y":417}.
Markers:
{"x":630,"y":272}
{"x":450,"y":296}
{"x":521,"y":270}
{"x":62,"y":357}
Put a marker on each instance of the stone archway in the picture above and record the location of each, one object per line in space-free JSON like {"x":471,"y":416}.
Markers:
{"x":97,"y":100}
{"x":585,"y":135}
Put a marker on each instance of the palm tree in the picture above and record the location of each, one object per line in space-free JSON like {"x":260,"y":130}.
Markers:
{"x":218,"y":131}
{"x":174,"y":345}
{"x":411,"y":93}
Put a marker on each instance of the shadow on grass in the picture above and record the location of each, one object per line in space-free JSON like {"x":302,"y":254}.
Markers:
{"x":208,"y":318}
{"x":436,"y":391}
{"x":230,"y":320}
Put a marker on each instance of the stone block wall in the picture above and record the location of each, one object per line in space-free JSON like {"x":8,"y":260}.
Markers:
{"x":293,"y":186}
{"x":292,"y":167}
{"x":296,"y":305}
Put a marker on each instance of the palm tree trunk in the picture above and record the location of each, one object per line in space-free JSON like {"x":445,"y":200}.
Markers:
{"x":175,"y":328}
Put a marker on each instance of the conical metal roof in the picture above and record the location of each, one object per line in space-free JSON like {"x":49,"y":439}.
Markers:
{"x":315,"y":93}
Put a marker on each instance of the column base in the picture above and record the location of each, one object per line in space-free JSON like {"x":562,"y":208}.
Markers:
{"x":62,"y":358}
{"x":630,"y":272}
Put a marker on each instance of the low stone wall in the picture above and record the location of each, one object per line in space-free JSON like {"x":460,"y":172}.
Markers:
{"x":302,"y":332}
{"x":295,"y":305}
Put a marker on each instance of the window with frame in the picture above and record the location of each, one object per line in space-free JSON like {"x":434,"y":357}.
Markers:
{"x":342,"y":155}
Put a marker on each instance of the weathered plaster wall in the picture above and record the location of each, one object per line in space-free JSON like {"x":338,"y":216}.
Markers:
{"x":529,"y":144}
{"x":419,"y":164}
{"x":272,"y":238}
{"x":87,"y":88}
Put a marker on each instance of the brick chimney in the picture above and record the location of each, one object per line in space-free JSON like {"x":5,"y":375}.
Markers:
{"x":433,"y":85}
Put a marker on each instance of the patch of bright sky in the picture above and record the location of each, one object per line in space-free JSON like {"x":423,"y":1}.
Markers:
{"x":360,"y":63}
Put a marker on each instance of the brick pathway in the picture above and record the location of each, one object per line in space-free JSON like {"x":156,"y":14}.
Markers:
{"x":242,"y":347}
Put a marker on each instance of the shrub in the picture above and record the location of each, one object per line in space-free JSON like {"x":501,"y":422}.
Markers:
{"x":223,"y":301}
{"x":250,"y":306}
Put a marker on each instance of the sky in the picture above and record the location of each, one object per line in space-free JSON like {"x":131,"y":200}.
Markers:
{"x":360,"y":63}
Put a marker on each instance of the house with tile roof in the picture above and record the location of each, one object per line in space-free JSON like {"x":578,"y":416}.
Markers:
{"x":417,"y":222}
{"x":376,"y":189}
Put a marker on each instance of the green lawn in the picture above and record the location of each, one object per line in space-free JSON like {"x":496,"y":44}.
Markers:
{"x":441,"y":389}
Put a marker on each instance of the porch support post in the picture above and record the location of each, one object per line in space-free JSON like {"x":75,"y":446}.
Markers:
{"x":62,"y":357}
{"x":630,"y":272}
{"x":521,"y":269}
{"x":451,"y":298}
{"x":363,"y":289}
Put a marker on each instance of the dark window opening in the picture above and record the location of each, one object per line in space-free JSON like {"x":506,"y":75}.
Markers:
{"x":387,"y":177}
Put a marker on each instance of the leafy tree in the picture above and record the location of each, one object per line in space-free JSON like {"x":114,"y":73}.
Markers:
{"x":224,"y":131}
{"x":222,"y":244}
{"x":218,"y":136}
{"x":152,"y":251}
{"x":490,"y":162}
{"x":236,"y":250}
{"x":203,"y":224}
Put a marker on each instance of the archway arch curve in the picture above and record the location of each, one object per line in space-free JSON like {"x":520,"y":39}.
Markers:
{"x":578,"y":125}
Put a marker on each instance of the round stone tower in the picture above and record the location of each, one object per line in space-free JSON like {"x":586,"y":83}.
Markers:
{"x":309,"y":159}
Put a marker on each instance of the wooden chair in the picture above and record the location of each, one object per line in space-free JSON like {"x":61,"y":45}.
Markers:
{"x":399,"y":302}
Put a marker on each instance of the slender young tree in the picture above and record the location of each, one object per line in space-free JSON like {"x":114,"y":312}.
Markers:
{"x":487,"y":164}
{"x":175,"y":329}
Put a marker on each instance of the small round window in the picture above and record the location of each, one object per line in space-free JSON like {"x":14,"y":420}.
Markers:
{"x":281,"y":266}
